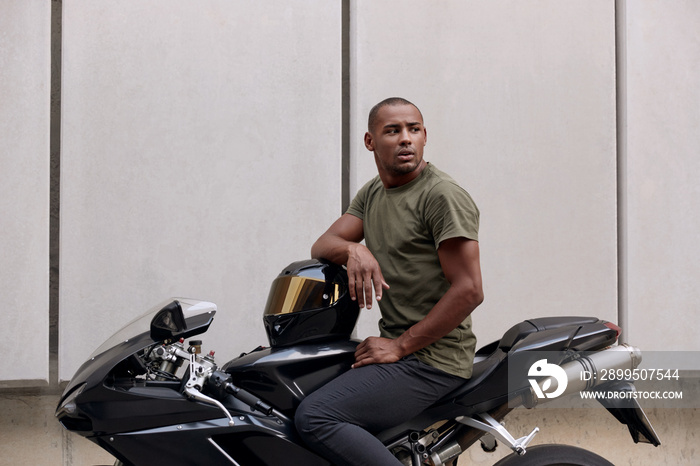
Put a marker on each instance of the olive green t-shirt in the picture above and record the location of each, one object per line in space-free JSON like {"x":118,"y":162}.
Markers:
{"x":403,"y":229}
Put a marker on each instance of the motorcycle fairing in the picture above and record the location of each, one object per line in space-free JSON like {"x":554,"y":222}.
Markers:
{"x":283,"y":377}
{"x":110,"y":375}
{"x":249,"y":442}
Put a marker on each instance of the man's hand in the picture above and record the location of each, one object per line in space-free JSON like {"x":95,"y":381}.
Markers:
{"x":377,"y":350}
{"x":341,"y":244}
{"x":364,"y":275}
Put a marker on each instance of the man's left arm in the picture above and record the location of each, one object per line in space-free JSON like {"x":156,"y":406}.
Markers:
{"x":459,"y":259}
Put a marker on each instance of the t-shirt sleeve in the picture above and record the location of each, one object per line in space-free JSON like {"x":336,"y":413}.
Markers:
{"x":357,"y":205}
{"x":451,"y":213}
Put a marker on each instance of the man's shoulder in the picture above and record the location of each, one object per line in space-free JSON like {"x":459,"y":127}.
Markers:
{"x":440,"y":183}
{"x":370,"y":188}
{"x":363,"y":197}
{"x":373,"y":183}
{"x":450,"y":210}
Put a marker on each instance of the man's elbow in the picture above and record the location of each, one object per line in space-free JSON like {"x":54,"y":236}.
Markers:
{"x":476,"y":297}
{"x":325,"y":248}
{"x":479,"y":298}
{"x":315,"y":253}
{"x":472,"y":294}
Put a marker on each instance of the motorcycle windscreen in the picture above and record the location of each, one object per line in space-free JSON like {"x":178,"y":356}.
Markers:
{"x":294,"y":294}
{"x":197,"y":314}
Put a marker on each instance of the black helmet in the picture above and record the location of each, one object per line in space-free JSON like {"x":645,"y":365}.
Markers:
{"x":309,"y":301}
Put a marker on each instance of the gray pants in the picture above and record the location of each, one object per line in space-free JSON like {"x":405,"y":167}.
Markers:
{"x":339,"y":419}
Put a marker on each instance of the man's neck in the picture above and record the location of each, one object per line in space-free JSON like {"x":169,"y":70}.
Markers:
{"x":394,"y":180}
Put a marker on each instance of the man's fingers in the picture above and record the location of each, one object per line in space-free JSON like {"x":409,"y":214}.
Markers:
{"x":359,"y":290}
{"x":376,"y":350}
{"x":362,"y":356}
{"x":364,"y":285}
{"x":364,"y":362}
{"x":364,"y":276}
{"x":351,"y":287}
{"x":378,"y":290}
{"x":379,"y":286}
{"x":368,"y":289}
{"x":360,"y":350}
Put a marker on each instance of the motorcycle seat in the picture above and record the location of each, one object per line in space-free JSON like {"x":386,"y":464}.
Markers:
{"x":488,"y":387}
{"x":489,"y":382}
{"x":521,"y":330}
{"x":484,"y":367}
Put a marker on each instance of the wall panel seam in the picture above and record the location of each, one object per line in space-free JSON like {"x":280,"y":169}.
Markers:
{"x":621,"y":141}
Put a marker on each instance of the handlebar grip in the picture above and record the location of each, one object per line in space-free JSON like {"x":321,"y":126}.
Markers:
{"x":220,"y":382}
{"x":248,"y":398}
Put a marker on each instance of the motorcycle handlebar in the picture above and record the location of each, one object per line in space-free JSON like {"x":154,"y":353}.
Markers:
{"x":221,"y":383}
{"x":249,"y":399}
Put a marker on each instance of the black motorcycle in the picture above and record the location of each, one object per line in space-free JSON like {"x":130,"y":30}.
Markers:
{"x":148,"y":397}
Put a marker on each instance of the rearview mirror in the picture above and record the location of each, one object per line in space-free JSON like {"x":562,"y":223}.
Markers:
{"x":168,"y":322}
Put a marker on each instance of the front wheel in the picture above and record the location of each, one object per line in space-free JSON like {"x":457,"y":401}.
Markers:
{"x":555,"y":455}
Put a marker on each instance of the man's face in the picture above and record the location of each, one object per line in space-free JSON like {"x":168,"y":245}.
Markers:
{"x":397,"y":140}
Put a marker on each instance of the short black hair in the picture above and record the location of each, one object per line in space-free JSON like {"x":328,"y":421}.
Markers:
{"x":390,"y":101}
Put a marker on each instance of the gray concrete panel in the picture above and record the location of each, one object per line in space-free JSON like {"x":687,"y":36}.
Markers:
{"x":201,"y":155}
{"x":663,"y":121}
{"x":24,"y":188}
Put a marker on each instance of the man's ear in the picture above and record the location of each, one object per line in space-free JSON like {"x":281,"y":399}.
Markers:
{"x":369,"y":144}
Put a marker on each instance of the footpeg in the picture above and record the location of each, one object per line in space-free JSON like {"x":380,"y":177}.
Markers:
{"x":489,"y":425}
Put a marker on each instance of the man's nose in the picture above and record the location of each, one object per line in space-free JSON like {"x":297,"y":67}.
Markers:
{"x":405,"y":136}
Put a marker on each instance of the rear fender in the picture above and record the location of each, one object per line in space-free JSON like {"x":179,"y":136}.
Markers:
{"x":627,"y":410}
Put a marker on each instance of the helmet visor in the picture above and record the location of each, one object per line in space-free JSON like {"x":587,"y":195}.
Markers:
{"x":294,"y":293}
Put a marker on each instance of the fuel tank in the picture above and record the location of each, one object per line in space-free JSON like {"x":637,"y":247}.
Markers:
{"x":282,"y":377}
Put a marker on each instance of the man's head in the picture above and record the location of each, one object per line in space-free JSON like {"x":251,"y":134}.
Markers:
{"x":372,"y":120}
{"x":397,"y":137}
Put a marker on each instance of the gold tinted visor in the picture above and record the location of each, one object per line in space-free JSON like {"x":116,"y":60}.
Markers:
{"x":294,"y":294}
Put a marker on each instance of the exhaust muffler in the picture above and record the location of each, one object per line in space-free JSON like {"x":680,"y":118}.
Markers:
{"x":581,"y":374}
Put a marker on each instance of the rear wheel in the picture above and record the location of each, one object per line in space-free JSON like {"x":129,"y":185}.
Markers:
{"x":555,"y":455}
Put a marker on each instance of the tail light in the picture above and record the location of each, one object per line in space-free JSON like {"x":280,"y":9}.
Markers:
{"x":617,"y":329}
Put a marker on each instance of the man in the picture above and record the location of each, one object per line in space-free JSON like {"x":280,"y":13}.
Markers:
{"x":421,"y":262}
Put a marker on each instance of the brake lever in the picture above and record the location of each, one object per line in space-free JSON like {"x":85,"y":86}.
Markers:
{"x":195,"y":394}
{"x":198,"y":375}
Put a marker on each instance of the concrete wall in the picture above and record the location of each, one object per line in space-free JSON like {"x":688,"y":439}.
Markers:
{"x":201,"y":152}
{"x":200,"y":155}
{"x":663,"y":137}
{"x":25,"y":59}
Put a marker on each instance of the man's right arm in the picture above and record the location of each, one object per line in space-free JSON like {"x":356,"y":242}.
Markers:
{"x":341,"y":244}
